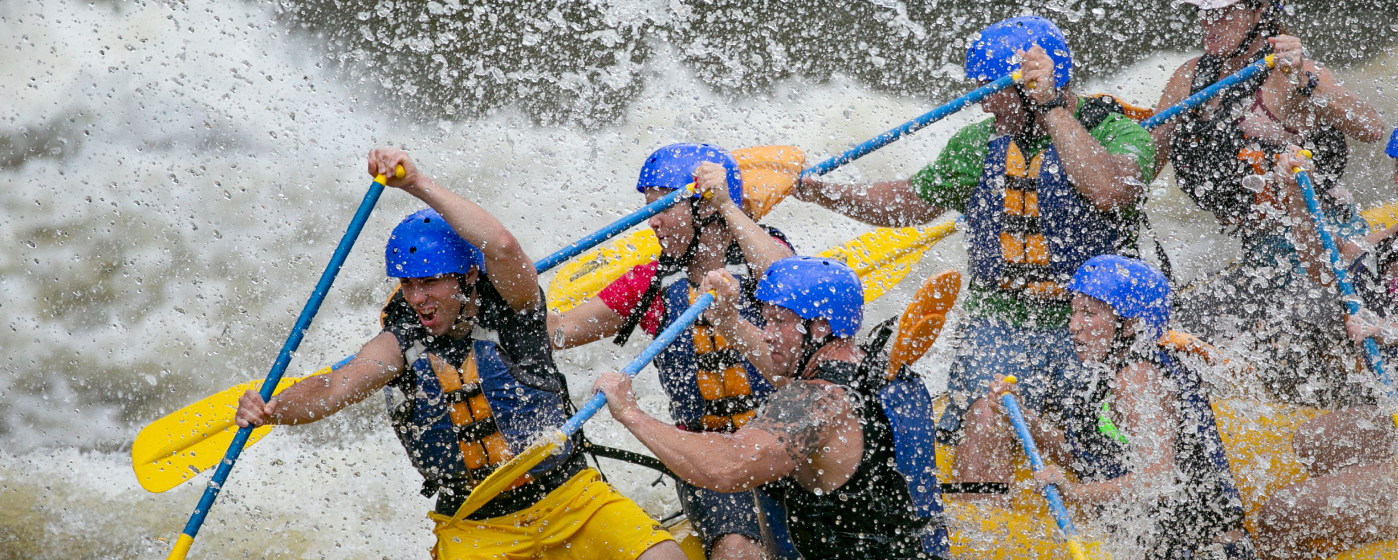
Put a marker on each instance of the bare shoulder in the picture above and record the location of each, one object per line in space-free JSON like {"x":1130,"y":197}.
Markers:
{"x":1181,"y":80}
{"x":803,"y":401}
{"x":378,"y":361}
{"x":1140,"y":377}
{"x":799,"y":413}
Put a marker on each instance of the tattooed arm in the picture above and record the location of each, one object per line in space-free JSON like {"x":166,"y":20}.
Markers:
{"x":795,"y":424}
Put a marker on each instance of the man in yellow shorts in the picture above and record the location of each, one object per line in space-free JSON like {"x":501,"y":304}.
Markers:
{"x":466,"y":366}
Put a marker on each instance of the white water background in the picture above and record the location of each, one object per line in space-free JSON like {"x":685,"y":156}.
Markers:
{"x":192,"y":166}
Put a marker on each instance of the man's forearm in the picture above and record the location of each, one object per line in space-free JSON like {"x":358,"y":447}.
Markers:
{"x":1108,"y":180}
{"x":310,"y":400}
{"x":884,"y":204}
{"x":699,"y":458}
{"x":759,"y":248}
{"x":747,"y":338}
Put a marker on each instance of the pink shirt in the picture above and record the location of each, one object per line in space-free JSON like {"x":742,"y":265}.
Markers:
{"x":625,"y":293}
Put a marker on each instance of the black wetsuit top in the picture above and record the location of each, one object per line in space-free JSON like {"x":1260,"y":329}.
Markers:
{"x":871,"y":515}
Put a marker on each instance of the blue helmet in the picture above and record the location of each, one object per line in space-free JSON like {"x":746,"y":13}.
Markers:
{"x":424,"y":245}
{"x":1393,"y":144}
{"x":815,"y":287}
{"x":992,"y":51}
{"x":1133,"y":288}
{"x":672,"y":167}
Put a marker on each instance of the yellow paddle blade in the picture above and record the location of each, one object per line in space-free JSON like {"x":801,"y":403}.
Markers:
{"x":1080,"y":550}
{"x":173,"y":449}
{"x":583,"y":277}
{"x":935,"y":297}
{"x":883,"y":257}
{"x":505,"y":476}
{"x":913,"y":343}
{"x":1381,"y":217}
{"x":769,"y":173}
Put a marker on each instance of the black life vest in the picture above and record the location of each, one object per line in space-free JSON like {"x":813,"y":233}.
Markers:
{"x":891,"y":507}
{"x":1207,"y":503}
{"x":1211,"y":154}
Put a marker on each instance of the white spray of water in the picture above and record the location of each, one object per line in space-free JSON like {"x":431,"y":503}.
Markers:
{"x":197,"y":165}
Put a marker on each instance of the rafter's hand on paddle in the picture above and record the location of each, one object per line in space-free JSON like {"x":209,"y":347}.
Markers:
{"x":1053,"y":474}
{"x":1290,"y":56}
{"x":711,"y":182}
{"x":1002,"y":386}
{"x":621,"y":400}
{"x":251,"y":410}
{"x":727,"y":293}
{"x":1036,"y":71}
{"x":386,"y":161}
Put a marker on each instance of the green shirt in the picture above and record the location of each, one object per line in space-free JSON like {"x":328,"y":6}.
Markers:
{"x":949,"y":182}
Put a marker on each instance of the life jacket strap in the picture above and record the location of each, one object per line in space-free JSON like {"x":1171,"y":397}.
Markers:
{"x":462,"y":395}
{"x":477,"y":430}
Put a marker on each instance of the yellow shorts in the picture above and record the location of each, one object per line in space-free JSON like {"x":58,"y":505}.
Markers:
{"x":583,"y":518}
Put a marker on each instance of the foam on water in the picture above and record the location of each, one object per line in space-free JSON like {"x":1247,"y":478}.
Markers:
{"x":187,"y":170}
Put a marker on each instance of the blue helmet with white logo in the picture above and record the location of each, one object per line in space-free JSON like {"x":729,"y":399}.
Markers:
{"x":813,"y":287}
{"x":1132,"y":287}
{"x":991,"y":54}
{"x":672,"y":167}
{"x":424,"y":245}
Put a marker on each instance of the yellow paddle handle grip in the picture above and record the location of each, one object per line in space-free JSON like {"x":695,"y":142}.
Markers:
{"x":690,"y":188}
{"x":1011,"y":379}
{"x":181,"y":547}
{"x":382,"y":180}
{"x":1305,"y":154}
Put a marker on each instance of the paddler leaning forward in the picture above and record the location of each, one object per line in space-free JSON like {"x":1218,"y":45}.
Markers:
{"x":710,"y":386}
{"x":466,"y":365}
{"x":822,"y":445}
{"x":1051,"y":181}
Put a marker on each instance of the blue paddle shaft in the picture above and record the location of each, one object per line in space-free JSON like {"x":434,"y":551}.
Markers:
{"x":612,"y":230}
{"x":620,"y":226}
{"x":1205,"y":94}
{"x":974,"y":96}
{"x":1051,"y":495}
{"x":1371,"y":349}
{"x":662,"y":340}
{"x":292,"y":342}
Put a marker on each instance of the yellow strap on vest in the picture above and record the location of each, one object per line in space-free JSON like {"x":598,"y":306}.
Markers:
{"x":1022,"y":203}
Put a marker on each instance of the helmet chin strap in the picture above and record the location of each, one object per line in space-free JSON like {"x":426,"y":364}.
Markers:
{"x":1267,"y":23}
{"x":468,"y":291}
{"x":809,"y":346}
{"x":1026,"y":109}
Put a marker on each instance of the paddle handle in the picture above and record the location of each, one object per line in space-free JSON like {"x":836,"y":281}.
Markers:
{"x":612,"y":230}
{"x":661,"y":341}
{"x":1208,"y":93}
{"x":1351,"y":299}
{"x":196,"y":520}
{"x":1036,"y":462}
{"x":974,"y":96}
